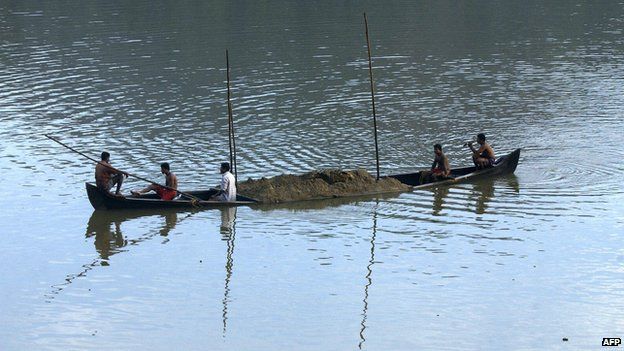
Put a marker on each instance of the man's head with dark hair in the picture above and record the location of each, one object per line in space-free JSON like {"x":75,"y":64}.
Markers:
{"x":225,"y":167}
{"x":437,"y":149}
{"x":481,"y":137}
{"x":164,"y":167}
{"x":105,"y":156}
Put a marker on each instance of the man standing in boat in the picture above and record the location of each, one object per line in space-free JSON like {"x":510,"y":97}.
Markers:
{"x":107,"y":176}
{"x":165,"y":193}
{"x":484,"y":156}
{"x":440,"y":168}
{"x":227,"y":192}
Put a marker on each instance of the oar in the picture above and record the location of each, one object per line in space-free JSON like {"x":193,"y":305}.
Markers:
{"x":194,"y":200}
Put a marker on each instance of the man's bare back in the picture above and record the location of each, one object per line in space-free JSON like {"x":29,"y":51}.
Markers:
{"x":106,"y":176}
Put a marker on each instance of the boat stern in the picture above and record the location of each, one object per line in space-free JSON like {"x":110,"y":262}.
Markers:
{"x":96,"y":198}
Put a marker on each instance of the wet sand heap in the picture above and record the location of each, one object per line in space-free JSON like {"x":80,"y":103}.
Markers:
{"x":328,"y":183}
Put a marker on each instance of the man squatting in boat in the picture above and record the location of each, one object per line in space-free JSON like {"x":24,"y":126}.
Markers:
{"x":107,"y":176}
{"x":484,"y":156}
{"x":440,"y":168}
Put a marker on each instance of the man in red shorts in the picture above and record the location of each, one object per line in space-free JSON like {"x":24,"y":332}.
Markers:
{"x":171,"y":181}
{"x":440,"y":168}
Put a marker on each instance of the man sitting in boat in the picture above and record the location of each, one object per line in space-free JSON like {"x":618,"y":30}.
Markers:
{"x":484,"y":156}
{"x":227,"y":192}
{"x":440,"y":168}
{"x":107,"y":176}
{"x":165,"y":193}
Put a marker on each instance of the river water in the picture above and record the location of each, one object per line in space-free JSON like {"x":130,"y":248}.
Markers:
{"x":518,"y":262}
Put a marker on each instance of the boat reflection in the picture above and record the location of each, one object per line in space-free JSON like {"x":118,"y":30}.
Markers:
{"x":106,"y":227}
{"x":109,"y":239}
{"x":325,"y":203}
{"x":481,"y":193}
{"x":484,"y":190}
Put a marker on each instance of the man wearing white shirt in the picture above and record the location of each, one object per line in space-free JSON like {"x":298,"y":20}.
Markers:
{"x":228,"y":184}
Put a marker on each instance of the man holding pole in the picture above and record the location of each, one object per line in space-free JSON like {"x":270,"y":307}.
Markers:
{"x":168,"y":192}
{"x":440,"y":168}
{"x":107,"y":176}
{"x":482,"y":157}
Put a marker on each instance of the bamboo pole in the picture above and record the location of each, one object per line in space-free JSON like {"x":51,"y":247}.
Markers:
{"x":370,"y":71}
{"x":231,"y":137}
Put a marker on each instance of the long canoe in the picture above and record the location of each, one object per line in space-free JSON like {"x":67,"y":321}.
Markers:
{"x":504,"y":165}
{"x":103,"y":200}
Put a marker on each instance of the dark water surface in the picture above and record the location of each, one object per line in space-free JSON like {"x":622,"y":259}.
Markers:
{"x":517,"y":262}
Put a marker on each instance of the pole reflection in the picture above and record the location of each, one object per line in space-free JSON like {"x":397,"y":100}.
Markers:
{"x":369,"y":277}
{"x":228,"y":234}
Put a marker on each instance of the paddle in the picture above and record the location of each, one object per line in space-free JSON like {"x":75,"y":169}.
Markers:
{"x":194,"y":200}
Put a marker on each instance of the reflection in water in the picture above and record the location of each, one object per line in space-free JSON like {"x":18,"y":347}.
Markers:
{"x":109,"y":239}
{"x":100,"y":225}
{"x":228,"y":215}
{"x":483,"y":191}
{"x":109,"y":242}
{"x":228,"y":233}
{"x":439,"y":194}
{"x":512,"y":183}
{"x":325,"y":203}
{"x":369,"y":278}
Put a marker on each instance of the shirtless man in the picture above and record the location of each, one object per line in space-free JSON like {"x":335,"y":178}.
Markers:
{"x":107,"y":176}
{"x":484,"y":156}
{"x":171,"y":181}
{"x":440,"y":168}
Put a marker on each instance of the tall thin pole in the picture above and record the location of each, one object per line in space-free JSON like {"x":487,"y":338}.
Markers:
{"x":370,"y":71}
{"x":231,"y":137}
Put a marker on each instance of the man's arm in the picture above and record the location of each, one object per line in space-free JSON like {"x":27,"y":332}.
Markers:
{"x":112,"y":170}
{"x":474,"y":151}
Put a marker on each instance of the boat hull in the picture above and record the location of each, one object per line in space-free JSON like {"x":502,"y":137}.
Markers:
{"x":504,"y":165}
{"x":102,"y":200}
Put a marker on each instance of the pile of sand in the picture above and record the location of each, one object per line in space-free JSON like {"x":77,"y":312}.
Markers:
{"x":321,"y":184}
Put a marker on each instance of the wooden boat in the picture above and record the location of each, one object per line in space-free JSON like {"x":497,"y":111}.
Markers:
{"x":102,"y":200}
{"x":504,"y":165}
